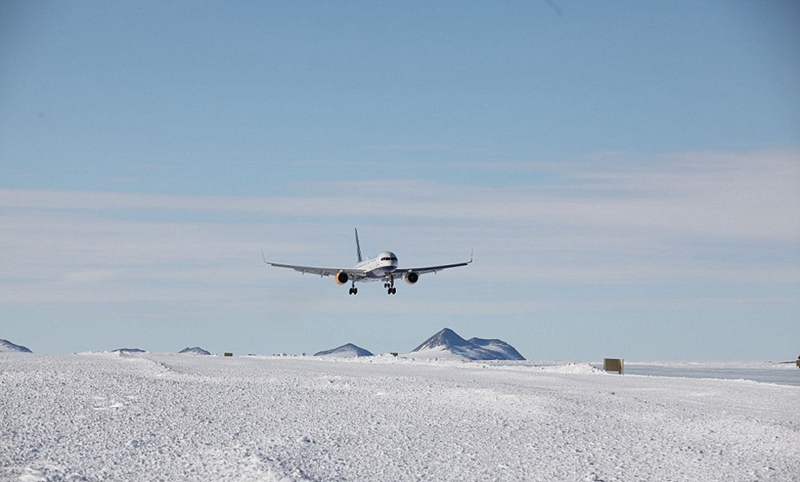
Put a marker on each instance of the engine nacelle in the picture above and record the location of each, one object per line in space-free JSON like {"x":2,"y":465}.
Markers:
{"x":341,"y":278}
{"x":411,"y":277}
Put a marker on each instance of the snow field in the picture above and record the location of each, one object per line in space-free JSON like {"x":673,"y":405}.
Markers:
{"x":183,"y":417}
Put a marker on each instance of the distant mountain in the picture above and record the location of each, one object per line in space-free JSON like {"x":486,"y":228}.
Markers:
{"x":447,"y":339}
{"x":195,"y":351}
{"x":345,"y":351}
{"x":500,"y":347}
{"x":8,"y":347}
{"x":128,"y":350}
{"x":447,"y":344}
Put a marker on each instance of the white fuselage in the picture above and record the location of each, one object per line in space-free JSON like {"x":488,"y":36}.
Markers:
{"x":378,"y":267}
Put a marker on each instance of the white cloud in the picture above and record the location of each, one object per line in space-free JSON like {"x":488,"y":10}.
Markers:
{"x":750,"y":196}
{"x":712,"y":217}
{"x":726,"y":195}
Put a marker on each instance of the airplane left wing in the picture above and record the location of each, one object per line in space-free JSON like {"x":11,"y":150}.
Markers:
{"x":431,"y":269}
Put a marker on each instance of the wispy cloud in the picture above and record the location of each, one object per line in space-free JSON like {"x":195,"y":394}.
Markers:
{"x":718,"y":217}
{"x":750,"y":195}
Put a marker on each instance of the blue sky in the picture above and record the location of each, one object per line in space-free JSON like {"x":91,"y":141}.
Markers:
{"x":627,"y":173}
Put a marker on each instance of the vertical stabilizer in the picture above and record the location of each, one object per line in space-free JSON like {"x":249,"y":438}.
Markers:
{"x":358,"y":247}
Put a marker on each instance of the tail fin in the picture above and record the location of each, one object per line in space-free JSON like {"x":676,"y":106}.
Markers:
{"x":358,"y":248}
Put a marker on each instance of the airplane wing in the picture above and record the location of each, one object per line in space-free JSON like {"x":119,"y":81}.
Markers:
{"x":427,"y":269}
{"x":319,"y":271}
{"x":430,"y":269}
{"x":355,"y":273}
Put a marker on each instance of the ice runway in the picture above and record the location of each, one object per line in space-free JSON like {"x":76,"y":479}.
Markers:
{"x":182,"y":417}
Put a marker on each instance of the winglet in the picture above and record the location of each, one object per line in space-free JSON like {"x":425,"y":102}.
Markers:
{"x":264,"y":257}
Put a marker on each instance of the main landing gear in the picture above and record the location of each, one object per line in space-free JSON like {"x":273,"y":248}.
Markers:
{"x":389,"y":285}
{"x":390,"y":289}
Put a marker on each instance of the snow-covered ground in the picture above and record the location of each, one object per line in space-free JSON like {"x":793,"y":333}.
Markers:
{"x":783,"y":373}
{"x":120,"y":416}
{"x":766,"y":372}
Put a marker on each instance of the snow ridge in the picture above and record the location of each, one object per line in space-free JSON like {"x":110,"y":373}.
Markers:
{"x":448,"y":343}
{"x":8,"y":347}
{"x":345,"y":351}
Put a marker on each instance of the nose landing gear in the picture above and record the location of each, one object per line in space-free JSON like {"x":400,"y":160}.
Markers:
{"x":390,"y":289}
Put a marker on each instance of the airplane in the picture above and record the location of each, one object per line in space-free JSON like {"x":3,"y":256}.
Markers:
{"x":382,"y":267}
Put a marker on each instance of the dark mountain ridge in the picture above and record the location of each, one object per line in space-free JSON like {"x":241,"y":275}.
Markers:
{"x":344,"y":351}
{"x":8,"y":347}
{"x":448,"y":340}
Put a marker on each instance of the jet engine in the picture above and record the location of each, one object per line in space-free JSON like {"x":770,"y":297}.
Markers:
{"x":341,"y":278}
{"x":411,"y":277}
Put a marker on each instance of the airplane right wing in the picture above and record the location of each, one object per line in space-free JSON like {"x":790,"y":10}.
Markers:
{"x":353,"y":273}
{"x":320,"y":271}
